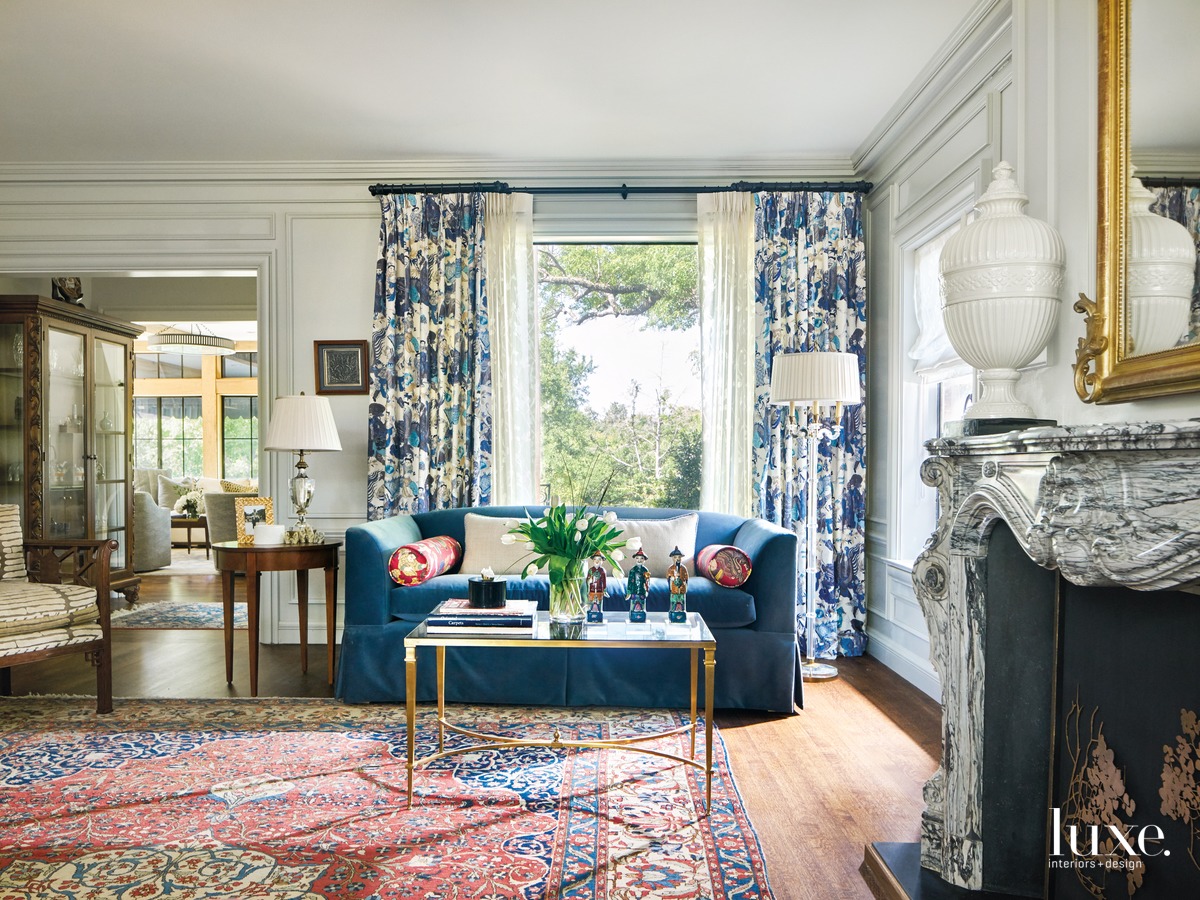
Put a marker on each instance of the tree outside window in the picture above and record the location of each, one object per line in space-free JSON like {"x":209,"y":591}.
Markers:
{"x":239,"y":437}
{"x":168,"y":433}
{"x":620,"y":368}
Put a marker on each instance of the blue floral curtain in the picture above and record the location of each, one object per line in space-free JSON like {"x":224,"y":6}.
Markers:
{"x":810,"y":294}
{"x":430,"y":427}
{"x":1181,"y":202}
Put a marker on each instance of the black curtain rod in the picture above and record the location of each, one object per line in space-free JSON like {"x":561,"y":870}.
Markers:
{"x":500,"y":187}
{"x":1170,"y":181}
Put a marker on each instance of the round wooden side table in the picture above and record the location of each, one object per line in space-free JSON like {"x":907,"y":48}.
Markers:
{"x":230,"y":557}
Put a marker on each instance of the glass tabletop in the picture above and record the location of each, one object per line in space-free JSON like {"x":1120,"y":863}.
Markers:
{"x":615,"y":631}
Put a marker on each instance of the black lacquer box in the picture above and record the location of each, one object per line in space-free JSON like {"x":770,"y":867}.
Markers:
{"x":484,"y":593}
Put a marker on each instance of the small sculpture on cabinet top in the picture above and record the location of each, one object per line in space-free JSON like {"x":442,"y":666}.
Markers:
{"x":69,"y":289}
{"x":636,"y":586}
{"x":677,"y":580}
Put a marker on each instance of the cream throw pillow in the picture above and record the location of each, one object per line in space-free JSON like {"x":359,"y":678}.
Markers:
{"x":482,"y":546}
{"x":170,"y":490}
{"x":659,"y":538}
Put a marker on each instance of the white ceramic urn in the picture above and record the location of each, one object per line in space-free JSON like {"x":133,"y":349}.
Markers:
{"x":1001,"y":279}
{"x":1160,"y":271}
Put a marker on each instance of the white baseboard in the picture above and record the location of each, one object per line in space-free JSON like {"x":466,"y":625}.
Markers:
{"x":918,"y":672}
{"x":289,"y":633}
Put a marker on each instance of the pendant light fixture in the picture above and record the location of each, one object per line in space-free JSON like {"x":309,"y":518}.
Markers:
{"x":189,"y":339}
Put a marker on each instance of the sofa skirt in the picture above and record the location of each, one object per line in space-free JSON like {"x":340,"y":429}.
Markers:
{"x":754,"y":670}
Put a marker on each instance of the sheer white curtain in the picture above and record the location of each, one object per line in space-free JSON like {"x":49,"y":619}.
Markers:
{"x":516,"y":401}
{"x":726,"y":257}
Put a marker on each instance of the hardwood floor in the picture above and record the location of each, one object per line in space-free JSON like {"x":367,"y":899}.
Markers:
{"x":818,"y":785}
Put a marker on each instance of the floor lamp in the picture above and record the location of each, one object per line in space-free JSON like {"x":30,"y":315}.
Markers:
{"x":815,"y":378}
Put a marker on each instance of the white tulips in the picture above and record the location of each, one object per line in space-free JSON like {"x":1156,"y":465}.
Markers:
{"x":508,"y":539}
{"x":530,"y":571}
{"x":610,"y":517}
{"x":634,"y":543}
{"x":617,"y":555}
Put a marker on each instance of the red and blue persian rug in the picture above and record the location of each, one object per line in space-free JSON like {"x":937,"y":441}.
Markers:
{"x":287,"y":798}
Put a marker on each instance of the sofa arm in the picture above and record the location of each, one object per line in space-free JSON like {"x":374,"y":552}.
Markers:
{"x":368,"y":549}
{"x":772,"y":580}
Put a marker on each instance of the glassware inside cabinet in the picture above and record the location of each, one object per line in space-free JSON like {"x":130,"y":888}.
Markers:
{"x":110,"y":448}
{"x":65,"y":400}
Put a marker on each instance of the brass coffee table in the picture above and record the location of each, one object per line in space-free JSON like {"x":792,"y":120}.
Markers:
{"x":655,"y":634}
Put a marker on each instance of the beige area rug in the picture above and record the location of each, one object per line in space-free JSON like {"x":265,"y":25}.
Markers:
{"x":184,"y":563}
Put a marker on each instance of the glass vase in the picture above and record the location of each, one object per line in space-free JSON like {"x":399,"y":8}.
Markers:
{"x":568,"y":597}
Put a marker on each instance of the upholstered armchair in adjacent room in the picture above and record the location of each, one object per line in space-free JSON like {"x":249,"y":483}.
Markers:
{"x":54,"y":600}
{"x":151,"y":533}
{"x":221,"y":510}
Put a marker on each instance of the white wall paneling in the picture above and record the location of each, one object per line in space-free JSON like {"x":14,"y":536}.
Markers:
{"x":900,"y":639}
{"x":331,"y":281}
{"x":927,"y":173}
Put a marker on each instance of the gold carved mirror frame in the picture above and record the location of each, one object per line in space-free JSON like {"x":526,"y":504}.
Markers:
{"x":1105,"y":372}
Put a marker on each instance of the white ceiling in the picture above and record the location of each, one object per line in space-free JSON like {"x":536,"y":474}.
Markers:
{"x":364,"y":80}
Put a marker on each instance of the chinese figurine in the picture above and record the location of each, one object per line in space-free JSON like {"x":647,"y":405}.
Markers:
{"x":677,"y":579}
{"x":636,"y":586}
{"x":596,"y":583}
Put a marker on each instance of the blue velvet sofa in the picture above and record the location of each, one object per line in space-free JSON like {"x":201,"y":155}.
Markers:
{"x":754,"y":626}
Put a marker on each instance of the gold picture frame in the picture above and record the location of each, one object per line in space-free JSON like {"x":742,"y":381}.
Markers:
{"x":252,"y":511}
{"x":1107,"y":370}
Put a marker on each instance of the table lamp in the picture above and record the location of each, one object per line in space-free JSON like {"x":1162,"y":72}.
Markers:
{"x":815,"y":377}
{"x":302,"y":424}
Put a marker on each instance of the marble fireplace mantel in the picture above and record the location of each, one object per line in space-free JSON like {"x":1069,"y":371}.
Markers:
{"x":1103,"y":505}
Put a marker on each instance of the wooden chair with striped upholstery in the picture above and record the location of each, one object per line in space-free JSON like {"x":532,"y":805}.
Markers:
{"x":54,"y":600}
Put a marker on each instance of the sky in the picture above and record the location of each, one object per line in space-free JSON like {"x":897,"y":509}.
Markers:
{"x":622,"y":353}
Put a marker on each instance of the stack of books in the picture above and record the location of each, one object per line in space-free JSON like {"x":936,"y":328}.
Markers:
{"x":457,"y":616}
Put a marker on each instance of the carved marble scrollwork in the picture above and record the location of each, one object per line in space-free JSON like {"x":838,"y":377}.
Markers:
{"x":1108,"y":518}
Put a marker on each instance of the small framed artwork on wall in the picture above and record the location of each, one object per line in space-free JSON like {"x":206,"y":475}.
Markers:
{"x":341,"y":367}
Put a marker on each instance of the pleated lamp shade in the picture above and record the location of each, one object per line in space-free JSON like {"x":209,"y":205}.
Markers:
{"x":302,"y":423}
{"x":815,"y":376}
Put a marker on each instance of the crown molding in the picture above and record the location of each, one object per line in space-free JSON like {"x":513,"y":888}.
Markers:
{"x":969,"y":39}
{"x":515,"y":171}
{"x":1166,"y":164}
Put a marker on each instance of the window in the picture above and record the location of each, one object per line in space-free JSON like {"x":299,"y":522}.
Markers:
{"x":218,"y":395}
{"x":620,"y":370}
{"x":240,"y":365}
{"x":239,"y":437}
{"x":166,"y":365}
{"x":168,"y":433}
{"x":937,"y":389}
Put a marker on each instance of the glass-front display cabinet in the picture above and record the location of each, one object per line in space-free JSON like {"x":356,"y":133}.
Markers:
{"x":66,"y":410}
